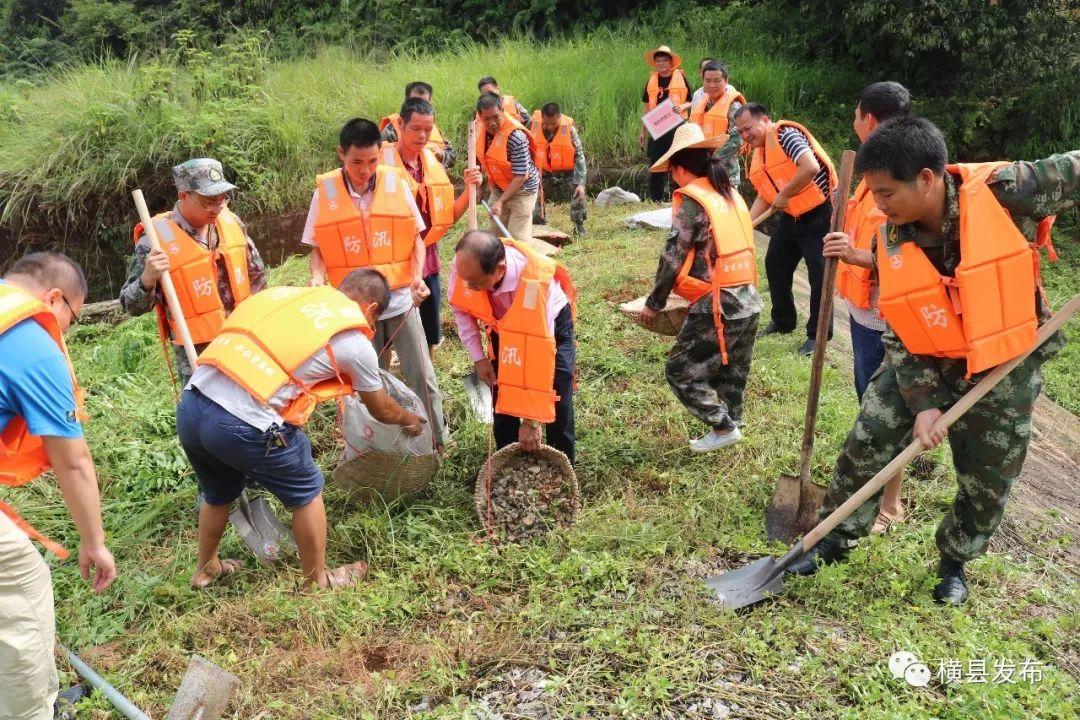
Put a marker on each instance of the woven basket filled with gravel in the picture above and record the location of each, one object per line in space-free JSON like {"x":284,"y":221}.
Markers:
{"x":529,"y":494}
{"x":669,"y":321}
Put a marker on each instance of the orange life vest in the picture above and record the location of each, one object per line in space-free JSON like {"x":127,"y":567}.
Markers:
{"x":495,"y":158}
{"x":771,"y":169}
{"x":861,"y":223}
{"x":526,"y":374}
{"x":435,"y":142}
{"x":435,"y":196}
{"x":986,"y":314}
{"x":733,"y":240}
{"x":380,"y":237}
{"x":509,"y":106}
{"x":676,"y":89}
{"x":264,"y":342}
{"x":22,"y":455}
{"x":194,"y":271}
{"x":714,"y":121}
{"x":558,"y":154}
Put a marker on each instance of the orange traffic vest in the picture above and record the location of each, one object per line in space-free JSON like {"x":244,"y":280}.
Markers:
{"x":558,"y":154}
{"x":526,"y":374}
{"x":733,"y":241}
{"x":380,"y":237}
{"x":771,"y":169}
{"x":265,"y":341}
{"x":194,"y":271}
{"x":495,"y":158}
{"x":714,"y":121}
{"x":435,"y":196}
{"x":677,"y":90}
{"x":435,"y":142}
{"x":22,"y":455}
{"x":986,"y":314}
{"x":861,"y":223}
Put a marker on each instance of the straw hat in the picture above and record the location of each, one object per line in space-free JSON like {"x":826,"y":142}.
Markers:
{"x":688,"y":135}
{"x":676,"y":61}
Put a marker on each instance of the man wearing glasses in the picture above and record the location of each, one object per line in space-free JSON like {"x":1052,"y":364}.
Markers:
{"x":205,"y":248}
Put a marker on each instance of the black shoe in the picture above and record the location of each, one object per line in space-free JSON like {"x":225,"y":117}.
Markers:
{"x":807,"y":348}
{"x":953,"y":589}
{"x":774,"y":329}
{"x":829,"y":551}
{"x":64,"y":707}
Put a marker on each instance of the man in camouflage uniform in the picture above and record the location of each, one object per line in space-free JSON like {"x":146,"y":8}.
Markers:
{"x":562,"y":185}
{"x":202,"y":193}
{"x":908,"y":393}
{"x":422,"y":90}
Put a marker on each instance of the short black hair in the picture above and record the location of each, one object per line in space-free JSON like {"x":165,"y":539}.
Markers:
{"x":903,"y":147}
{"x":367,"y":285}
{"x":53,"y":270}
{"x":488,"y":250}
{"x":418,"y":85}
{"x":359,"y":133}
{"x":662,"y":54}
{"x":754,"y":108}
{"x":486,"y":80}
{"x":416,"y":106}
{"x":714,"y":65}
{"x":487,"y":101}
{"x":551,"y":109}
{"x":885,"y":100}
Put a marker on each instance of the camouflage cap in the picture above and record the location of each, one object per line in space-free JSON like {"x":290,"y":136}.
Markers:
{"x":203,"y":176}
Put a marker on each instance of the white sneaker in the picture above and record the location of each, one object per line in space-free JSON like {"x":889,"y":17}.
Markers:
{"x":711,"y":441}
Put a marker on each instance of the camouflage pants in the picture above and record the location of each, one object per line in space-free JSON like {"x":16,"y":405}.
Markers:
{"x":559,"y":187}
{"x":988,"y":444}
{"x":709,"y":389}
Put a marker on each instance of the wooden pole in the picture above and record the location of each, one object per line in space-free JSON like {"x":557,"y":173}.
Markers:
{"x":471,"y":166}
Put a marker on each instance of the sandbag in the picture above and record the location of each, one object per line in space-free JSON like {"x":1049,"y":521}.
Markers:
{"x":363,"y":433}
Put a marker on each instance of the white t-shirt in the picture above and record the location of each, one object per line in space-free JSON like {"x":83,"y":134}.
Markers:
{"x":697,"y":96}
{"x":356,"y":359}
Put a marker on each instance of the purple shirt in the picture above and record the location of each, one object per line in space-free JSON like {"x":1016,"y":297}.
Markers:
{"x":502,"y":297}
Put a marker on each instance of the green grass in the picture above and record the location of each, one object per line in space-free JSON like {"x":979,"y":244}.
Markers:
{"x":608,"y":610}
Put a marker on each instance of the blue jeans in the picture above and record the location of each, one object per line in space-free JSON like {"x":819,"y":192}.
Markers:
{"x":869,"y":353}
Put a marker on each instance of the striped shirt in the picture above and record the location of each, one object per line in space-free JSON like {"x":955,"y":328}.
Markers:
{"x":795,"y":145}
{"x":521,"y":161}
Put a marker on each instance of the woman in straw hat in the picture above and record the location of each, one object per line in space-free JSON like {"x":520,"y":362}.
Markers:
{"x":666,"y":82}
{"x":709,"y":260}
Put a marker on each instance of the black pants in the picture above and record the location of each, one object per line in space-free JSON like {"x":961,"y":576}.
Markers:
{"x":658,"y":181}
{"x":797,"y":239}
{"x":560,"y":433}
{"x":429,"y":311}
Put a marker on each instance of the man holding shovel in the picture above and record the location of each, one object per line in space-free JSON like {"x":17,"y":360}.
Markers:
{"x":505,"y":150}
{"x":957,"y":270}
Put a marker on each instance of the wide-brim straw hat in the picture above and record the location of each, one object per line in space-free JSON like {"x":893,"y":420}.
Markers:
{"x":688,"y":135}
{"x":676,"y":61}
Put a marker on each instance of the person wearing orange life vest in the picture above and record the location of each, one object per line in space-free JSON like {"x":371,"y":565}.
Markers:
{"x":957,"y":266}
{"x":505,"y":150}
{"x":205,"y":248}
{"x":561,"y":160}
{"x":240,"y":419}
{"x":666,"y":82}
{"x":391,"y":126}
{"x":793,"y":174}
{"x":364,"y":214}
{"x":526,"y":303}
{"x":709,"y":261}
{"x":510,"y":105}
{"x":715,"y":112}
{"x":40,"y":428}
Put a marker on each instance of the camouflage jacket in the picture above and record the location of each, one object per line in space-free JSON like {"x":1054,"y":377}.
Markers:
{"x":729,"y":151}
{"x":690,"y":230}
{"x":389,"y":134}
{"x":580,"y":171}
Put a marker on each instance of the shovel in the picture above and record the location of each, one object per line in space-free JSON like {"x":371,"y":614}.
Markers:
{"x":794,"y":505}
{"x":479,"y":395}
{"x":762,"y":578}
{"x":539,"y":245}
{"x":261,"y":530}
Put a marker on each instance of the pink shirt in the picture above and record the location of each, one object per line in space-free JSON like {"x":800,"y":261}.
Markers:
{"x":502,"y":297}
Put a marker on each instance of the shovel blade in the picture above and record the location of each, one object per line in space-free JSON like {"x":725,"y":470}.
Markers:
{"x":204,"y":693}
{"x":261,"y":530}
{"x":812,"y":496}
{"x":747,"y":585}
{"x":782,"y":514}
{"x":479,"y":395}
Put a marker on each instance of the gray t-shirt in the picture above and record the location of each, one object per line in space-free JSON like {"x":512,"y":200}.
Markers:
{"x":356,"y":359}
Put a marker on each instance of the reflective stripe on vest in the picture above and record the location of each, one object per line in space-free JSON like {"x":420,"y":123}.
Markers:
{"x":558,"y":154}
{"x":986,"y":314}
{"x":676,"y":89}
{"x":435,"y":196}
{"x":495,"y":158}
{"x":771,"y":169}
{"x":435,"y":142}
{"x":380,"y":237}
{"x":861,"y":223}
{"x":526,"y":363}
{"x":714,"y":121}
{"x":264,"y":342}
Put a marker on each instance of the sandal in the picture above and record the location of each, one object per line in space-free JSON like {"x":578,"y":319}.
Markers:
{"x":228,"y":567}
{"x":884,"y":522}
{"x":346,"y":575}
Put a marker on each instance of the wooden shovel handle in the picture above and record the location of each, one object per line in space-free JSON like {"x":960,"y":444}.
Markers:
{"x":764,"y":216}
{"x":472,"y":164}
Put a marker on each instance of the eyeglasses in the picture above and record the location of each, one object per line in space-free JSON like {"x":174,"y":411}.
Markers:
{"x":74,"y":315}
{"x":212,"y":202}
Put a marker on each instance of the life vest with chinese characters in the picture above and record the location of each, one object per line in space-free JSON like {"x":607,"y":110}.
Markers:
{"x":556,"y":155}
{"x":194,"y":271}
{"x":264,"y":342}
{"x":987,"y":313}
{"x":435,"y":142}
{"x":435,"y":196}
{"x":22,"y":455}
{"x":733,"y":243}
{"x":714,"y":121}
{"x":861,"y":223}
{"x":495,"y":158}
{"x":526,"y":373}
{"x":676,"y":89}
{"x":771,"y":169}
{"x":380,"y":237}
